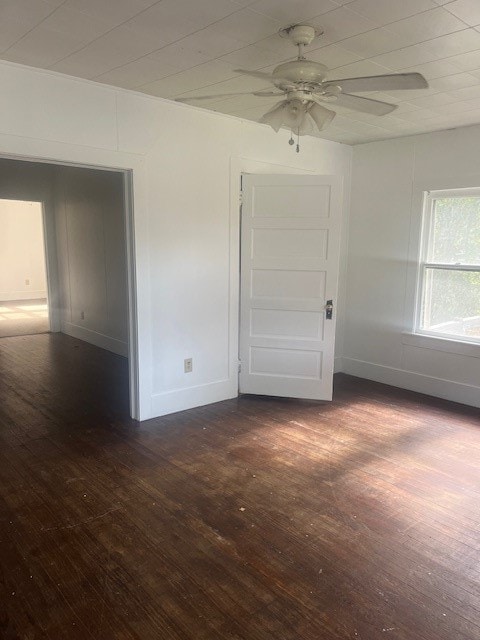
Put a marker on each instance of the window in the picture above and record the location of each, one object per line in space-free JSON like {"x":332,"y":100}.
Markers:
{"x":448,"y":303}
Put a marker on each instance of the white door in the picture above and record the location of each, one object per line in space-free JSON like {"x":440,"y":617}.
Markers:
{"x":289,"y":271}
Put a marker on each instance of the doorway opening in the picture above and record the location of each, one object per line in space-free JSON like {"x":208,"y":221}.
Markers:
{"x":73,"y":224}
{"x":23,"y":274}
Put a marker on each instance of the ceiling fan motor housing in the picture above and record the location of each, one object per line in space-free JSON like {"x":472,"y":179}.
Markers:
{"x":300,"y":33}
{"x":298,"y":71}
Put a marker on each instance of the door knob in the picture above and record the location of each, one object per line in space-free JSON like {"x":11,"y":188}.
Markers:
{"x":329,"y":310}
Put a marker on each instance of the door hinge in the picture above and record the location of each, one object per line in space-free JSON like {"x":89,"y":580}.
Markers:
{"x":239,"y":367}
{"x":240,"y":198}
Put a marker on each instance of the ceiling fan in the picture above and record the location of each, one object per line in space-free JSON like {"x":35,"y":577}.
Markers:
{"x":305,"y":90}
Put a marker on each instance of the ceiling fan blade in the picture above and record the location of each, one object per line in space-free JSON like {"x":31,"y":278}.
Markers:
{"x":267,"y":76}
{"x":255,"y":74}
{"x":268,"y":94}
{"x":218,"y":95}
{"x":388,"y":82}
{"x":367,"y":105}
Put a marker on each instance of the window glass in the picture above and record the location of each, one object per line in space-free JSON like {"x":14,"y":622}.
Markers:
{"x":449,"y":273}
{"x":455,"y":231}
{"x":451,"y":303}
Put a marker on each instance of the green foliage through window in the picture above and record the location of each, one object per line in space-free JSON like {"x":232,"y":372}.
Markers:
{"x":451,"y":297}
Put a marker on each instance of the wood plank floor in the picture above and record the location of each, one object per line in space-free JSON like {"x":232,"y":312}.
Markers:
{"x":251,"y":519}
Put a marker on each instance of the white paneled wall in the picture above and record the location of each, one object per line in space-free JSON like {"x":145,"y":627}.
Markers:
{"x":22,"y":253}
{"x":89,"y":220}
{"x":388,"y":181}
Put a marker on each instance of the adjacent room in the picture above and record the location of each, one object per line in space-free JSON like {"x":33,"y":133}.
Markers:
{"x":23,"y":286}
{"x":239,"y":320}
{"x":64,"y":272}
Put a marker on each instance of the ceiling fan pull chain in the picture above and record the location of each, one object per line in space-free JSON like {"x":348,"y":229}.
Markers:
{"x":298,"y":141}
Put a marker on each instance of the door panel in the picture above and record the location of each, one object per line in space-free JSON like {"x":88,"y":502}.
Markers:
{"x":289,"y":269}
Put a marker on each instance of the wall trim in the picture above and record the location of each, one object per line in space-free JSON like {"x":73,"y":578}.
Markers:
{"x":440,"y":343}
{"x":419,"y":382}
{"x":95,"y":338}
{"x":12,"y":296}
{"x":191,"y":397}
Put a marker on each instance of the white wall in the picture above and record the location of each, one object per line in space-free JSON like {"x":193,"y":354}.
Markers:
{"x":186,"y":165}
{"x":22,"y":251}
{"x":90,"y":227}
{"x":388,"y":181}
{"x":34,"y":182}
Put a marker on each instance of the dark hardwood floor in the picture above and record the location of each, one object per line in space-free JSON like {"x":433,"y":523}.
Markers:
{"x":251,"y":519}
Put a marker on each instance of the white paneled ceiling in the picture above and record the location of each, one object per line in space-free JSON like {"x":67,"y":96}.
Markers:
{"x":178,"y":48}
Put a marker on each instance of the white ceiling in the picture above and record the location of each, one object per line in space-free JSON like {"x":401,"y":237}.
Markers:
{"x":174,"y":48}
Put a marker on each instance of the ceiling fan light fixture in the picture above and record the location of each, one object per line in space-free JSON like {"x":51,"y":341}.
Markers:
{"x":307,"y":127}
{"x":321,"y":116}
{"x":290,"y":113}
{"x":275,"y":116}
{"x":294,"y":114}
{"x":303,"y":118}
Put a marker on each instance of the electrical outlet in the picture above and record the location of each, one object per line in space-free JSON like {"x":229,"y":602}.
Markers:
{"x":82,"y":315}
{"x":27,"y":281}
{"x":188,"y":365}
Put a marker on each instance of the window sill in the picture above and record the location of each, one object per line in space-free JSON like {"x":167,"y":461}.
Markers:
{"x":459,"y":347}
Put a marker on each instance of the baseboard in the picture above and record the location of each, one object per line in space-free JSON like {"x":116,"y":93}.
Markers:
{"x":338,"y":365}
{"x":182,"y":399}
{"x":438,"y":387}
{"x":98,"y":339}
{"x":13,"y":296}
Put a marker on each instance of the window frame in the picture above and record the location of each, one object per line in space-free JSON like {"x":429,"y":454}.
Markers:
{"x":423,"y":264}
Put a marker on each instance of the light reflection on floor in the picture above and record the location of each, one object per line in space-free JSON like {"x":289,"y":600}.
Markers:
{"x":21,"y":317}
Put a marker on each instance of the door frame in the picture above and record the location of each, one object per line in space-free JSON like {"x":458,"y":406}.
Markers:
{"x":52,"y":269}
{"x":240,"y":166}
